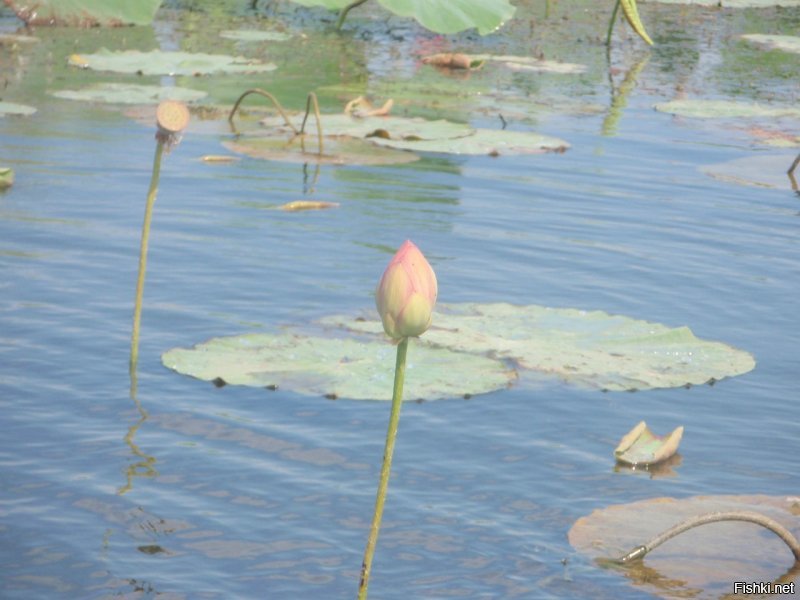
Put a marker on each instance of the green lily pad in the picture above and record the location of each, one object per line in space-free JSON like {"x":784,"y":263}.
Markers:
{"x":157,"y":62}
{"x":338,"y":150}
{"x":587,"y":348}
{"x":491,"y":142}
{"x":6,"y":177}
{"x":640,"y":446}
{"x":400,"y":128}
{"x":341,"y":368}
{"x":701,"y":563}
{"x":254,"y":35}
{"x":127,"y":93}
{"x":787,"y":43}
{"x":12,"y":39}
{"x":86,"y":13}
{"x":721,"y":109}
{"x":9,"y":108}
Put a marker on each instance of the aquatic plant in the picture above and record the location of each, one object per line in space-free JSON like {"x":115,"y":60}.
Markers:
{"x":405,"y":299}
{"x":172,"y":117}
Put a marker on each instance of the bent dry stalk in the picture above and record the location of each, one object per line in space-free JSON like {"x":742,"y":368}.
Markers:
{"x":405,"y":298}
{"x":172,"y":117}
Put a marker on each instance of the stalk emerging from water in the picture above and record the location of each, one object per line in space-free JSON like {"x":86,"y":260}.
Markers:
{"x":172,"y":118}
{"x":405,"y":299}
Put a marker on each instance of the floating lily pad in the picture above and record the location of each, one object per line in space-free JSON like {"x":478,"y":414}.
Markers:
{"x":702,"y":562}
{"x":760,"y":170}
{"x":11,"y":39}
{"x":9,"y":108}
{"x":491,"y":142}
{"x":587,"y":348}
{"x":640,"y":446}
{"x":787,"y":43}
{"x":6,"y":177}
{"x":86,"y":13}
{"x":721,"y":109}
{"x":338,"y":150}
{"x":341,"y":368}
{"x":254,"y":35}
{"x":128,"y":93}
{"x":157,"y":62}
{"x":400,"y":128}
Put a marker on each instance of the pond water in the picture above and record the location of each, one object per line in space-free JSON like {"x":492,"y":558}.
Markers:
{"x":238,"y":492}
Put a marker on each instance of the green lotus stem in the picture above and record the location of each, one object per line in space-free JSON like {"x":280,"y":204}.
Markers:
{"x":386,"y":467}
{"x":611,"y":23}
{"x":345,"y":10}
{"x":743,"y":515}
{"x":266,"y":94}
{"x":311,"y":99}
{"x":148,"y":215}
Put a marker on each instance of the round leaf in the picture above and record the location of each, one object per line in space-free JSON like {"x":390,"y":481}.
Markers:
{"x":10,"y":108}
{"x":157,"y":62}
{"x":787,"y":43}
{"x":482,"y":141}
{"x":720,"y":109}
{"x":700,"y":563}
{"x":346,"y":368}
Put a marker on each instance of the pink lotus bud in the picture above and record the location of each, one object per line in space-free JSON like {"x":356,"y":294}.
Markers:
{"x":406,"y":293}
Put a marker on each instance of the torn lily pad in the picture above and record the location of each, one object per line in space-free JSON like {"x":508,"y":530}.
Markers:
{"x":130,"y":93}
{"x":337,"y":368}
{"x":786,"y":43}
{"x":640,"y":446}
{"x":698,"y":563}
{"x":587,"y":348}
{"x":10,"y":108}
{"x":724,"y":109}
{"x":157,"y":62}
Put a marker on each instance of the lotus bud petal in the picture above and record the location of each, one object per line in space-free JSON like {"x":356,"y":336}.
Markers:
{"x":406,"y":294}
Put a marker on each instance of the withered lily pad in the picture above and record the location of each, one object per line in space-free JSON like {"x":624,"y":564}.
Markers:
{"x":129,"y":93}
{"x":720,"y":109}
{"x":760,"y":170}
{"x":588,"y":348}
{"x":640,"y":446}
{"x":10,"y":108}
{"x":702,"y":562}
{"x":337,"y":150}
{"x":787,"y":43}
{"x":529,"y":63}
{"x":338,"y":368}
{"x":157,"y":62}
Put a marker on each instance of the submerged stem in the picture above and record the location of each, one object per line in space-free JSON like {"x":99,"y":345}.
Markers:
{"x":148,"y":215}
{"x":311,"y":99}
{"x":386,"y":467}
